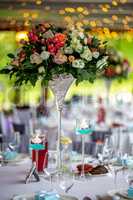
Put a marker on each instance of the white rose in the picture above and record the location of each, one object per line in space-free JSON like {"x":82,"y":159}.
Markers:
{"x":95,"y":54}
{"x":68,"y":50}
{"x":78,"y":63}
{"x":81,"y":35}
{"x":45,"y":55}
{"x":43,"y":48}
{"x":74,"y":34}
{"x":85,"y":41}
{"x":41,"y":69}
{"x":79,"y":48}
{"x":35,"y":58}
{"x":87,"y":54}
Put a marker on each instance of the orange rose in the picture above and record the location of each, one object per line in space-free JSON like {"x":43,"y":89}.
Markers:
{"x":47,"y":25}
{"x":60,"y":37}
{"x":71,"y":58}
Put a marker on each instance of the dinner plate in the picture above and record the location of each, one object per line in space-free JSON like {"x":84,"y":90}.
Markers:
{"x":32,"y":197}
{"x":121,"y":193}
{"x":20,"y":159}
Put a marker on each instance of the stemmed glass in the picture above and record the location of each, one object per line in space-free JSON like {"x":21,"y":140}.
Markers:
{"x":66,"y":182}
{"x":107,"y":152}
{"x":84,"y":127}
{"x":129,"y":178}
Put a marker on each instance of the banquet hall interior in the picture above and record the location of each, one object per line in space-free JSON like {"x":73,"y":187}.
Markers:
{"x":66,"y":99}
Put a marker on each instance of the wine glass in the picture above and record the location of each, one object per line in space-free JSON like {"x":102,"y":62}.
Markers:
{"x":66,"y":182}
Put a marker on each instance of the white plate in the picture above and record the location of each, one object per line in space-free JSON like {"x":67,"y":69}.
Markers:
{"x":121,"y":193}
{"x":31,"y":197}
{"x":20,"y":159}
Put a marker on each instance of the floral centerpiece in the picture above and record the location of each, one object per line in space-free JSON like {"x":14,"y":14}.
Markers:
{"x":51,"y":51}
{"x":57,"y":57}
{"x":118,"y":66}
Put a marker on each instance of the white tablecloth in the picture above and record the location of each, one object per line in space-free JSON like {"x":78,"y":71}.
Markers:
{"x":12,"y":182}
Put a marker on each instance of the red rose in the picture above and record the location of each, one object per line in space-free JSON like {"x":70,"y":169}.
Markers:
{"x":32,"y":37}
{"x":49,"y":40}
{"x":52,"y":49}
{"x":109,"y":72}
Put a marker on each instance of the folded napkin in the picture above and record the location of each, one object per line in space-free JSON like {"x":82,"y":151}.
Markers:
{"x":129,"y":163}
{"x":84,"y":131}
{"x":10,"y":155}
{"x":130,"y":192}
{"x":43,"y":195}
{"x":37,"y":146}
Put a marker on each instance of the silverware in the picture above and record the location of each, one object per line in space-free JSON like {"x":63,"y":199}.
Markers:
{"x":69,"y":188}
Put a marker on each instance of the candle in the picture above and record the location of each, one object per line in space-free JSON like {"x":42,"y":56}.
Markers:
{"x":84,"y":124}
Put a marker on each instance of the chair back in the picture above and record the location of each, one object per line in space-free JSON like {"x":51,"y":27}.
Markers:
{"x":19,"y":128}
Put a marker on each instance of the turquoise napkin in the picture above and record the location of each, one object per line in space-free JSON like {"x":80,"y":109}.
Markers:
{"x":84,"y":131}
{"x":130,"y":192}
{"x":37,"y":146}
{"x":42,"y":195}
{"x":10,"y":155}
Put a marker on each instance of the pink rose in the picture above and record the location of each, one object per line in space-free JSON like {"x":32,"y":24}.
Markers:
{"x":15,"y":62}
{"x":60,"y":58}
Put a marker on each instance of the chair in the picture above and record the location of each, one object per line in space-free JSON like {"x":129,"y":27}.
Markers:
{"x":23,"y":146}
{"x":19,"y":128}
{"x":1,"y":142}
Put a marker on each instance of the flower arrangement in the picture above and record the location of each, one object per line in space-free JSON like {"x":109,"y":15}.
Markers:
{"x":51,"y":51}
{"x":118,"y":66}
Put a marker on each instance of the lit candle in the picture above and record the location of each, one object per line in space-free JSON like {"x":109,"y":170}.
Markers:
{"x":84,"y":124}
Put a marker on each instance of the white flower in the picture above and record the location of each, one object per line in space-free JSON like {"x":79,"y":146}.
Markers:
{"x":95,"y":54}
{"x":41,"y":69}
{"x":18,"y":51}
{"x":35,"y":58}
{"x":44,"y":48}
{"x":76,"y":45}
{"x":78,"y":48}
{"x":78,"y":63}
{"x":81,"y":35}
{"x":68,"y":50}
{"x":10,"y":67}
{"x":45,"y":55}
{"x":85,"y":41}
{"x":102,"y":63}
{"x":74,"y":34}
{"x":48,"y":34}
{"x":87,"y":54}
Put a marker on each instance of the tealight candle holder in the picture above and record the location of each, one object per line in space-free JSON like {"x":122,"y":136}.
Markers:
{"x":83,"y":127}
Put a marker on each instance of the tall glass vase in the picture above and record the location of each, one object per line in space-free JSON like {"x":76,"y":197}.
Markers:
{"x":59,"y":86}
{"x":108,"y":83}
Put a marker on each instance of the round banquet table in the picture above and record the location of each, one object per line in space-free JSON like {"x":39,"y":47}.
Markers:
{"x":12,"y":183}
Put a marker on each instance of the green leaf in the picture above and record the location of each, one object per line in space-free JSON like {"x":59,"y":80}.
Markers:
{"x":5,"y":71}
{"x":10,"y":55}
